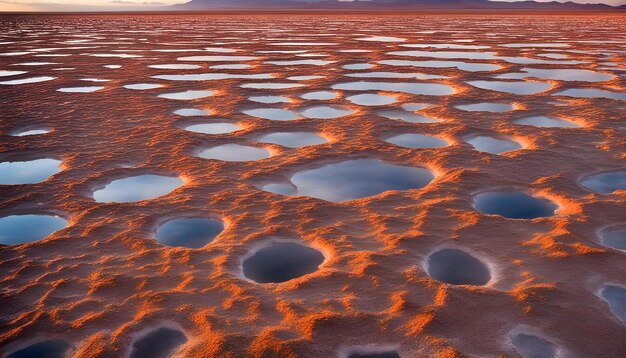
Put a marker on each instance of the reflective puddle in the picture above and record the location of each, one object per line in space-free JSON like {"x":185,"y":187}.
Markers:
{"x":559,"y":74}
{"x":137,"y":188}
{"x":143,"y":86}
{"x":370,"y":99}
{"x":326,"y":112}
{"x":615,"y":296}
{"x":614,"y":237}
{"x":29,"y":172}
{"x":293,"y":139}
{"x":272,"y":85}
{"x":30,"y":131}
{"x":605,"y":183}
{"x":23,"y":81}
{"x":425,"y":88}
{"x":457,"y":267}
{"x":487,"y":107}
{"x":519,"y":87}
{"x":529,"y":346}
{"x":514,"y":205}
{"x":187,"y":95}
{"x":212,"y":128}
{"x":493,"y":145}
{"x":460,"y":65}
{"x":191,"y":112}
{"x":415,"y":140}
{"x":282,"y":261}
{"x":235,"y":153}
{"x":274,"y":114}
{"x":591,"y":93}
{"x":20,"y":229}
{"x":354,"y":179}
{"x":56,"y":348}
{"x":87,"y":89}
{"x":546,"y":122}
{"x":407,"y":116}
{"x":269,"y":99}
{"x":319,"y":95}
{"x":189,"y":232}
{"x":160,"y":343}
{"x":175,"y":66}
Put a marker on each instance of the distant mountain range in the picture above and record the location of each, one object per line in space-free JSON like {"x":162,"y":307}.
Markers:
{"x":390,"y":5}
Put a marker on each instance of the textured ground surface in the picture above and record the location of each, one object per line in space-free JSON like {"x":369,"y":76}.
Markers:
{"x":102,"y":280}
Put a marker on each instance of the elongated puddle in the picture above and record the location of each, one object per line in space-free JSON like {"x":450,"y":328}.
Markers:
{"x":193,"y":233}
{"x":514,"y":87}
{"x":326,"y":112}
{"x":137,"y":188}
{"x":274,"y":114}
{"x":30,"y":131}
{"x":160,"y":343}
{"x":29,"y":172}
{"x":487,"y":107}
{"x":615,"y":296}
{"x":386,"y":354}
{"x":21,"y":229}
{"x":235,"y":153}
{"x":370,"y":99}
{"x":514,"y":205}
{"x":407,"y":116}
{"x":605,"y":183}
{"x":493,"y":145}
{"x":319,"y":95}
{"x":212,"y":128}
{"x":614,"y":237}
{"x":293,"y":139}
{"x":353,"y":179}
{"x":269,"y":99}
{"x":546,"y":122}
{"x":417,"y":88}
{"x":55,"y":348}
{"x":414,"y":140}
{"x":457,"y":267}
{"x":281,"y":261}
{"x":187,"y":95}
{"x":529,"y":346}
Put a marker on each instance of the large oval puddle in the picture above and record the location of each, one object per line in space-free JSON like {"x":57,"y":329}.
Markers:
{"x":28,"y":172}
{"x":137,"y":188}
{"x":514,"y":205}
{"x":55,"y":348}
{"x":20,"y":229}
{"x":457,"y":267}
{"x":160,"y":343}
{"x":281,"y":261}
{"x":193,"y":233}
{"x":605,"y":183}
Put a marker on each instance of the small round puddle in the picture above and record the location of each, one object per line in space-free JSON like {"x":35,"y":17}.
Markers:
{"x":280,"y":262}
{"x":457,"y":267}
{"x":326,"y":112}
{"x":212,"y":128}
{"x":493,"y":145}
{"x":293,"y":139}
{"x":614,"y":237}
{"x":55,"y":348}
{"x":137,"y":188}
{"x":28,"y":172}
{"x":235,"y":153}
{"x":160,"y":343}
{"x":414,"y":140}
{"x":193,"y":233}
{"x":605,"y":183}
{"x":615,"y":297}
{"x":529,"y":346}
{"x":514,"y":205}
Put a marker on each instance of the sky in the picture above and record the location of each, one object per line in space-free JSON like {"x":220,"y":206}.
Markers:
{"x":97,"y":5}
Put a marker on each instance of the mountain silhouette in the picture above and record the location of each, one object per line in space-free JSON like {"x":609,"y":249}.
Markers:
{"x":389,"y":5}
